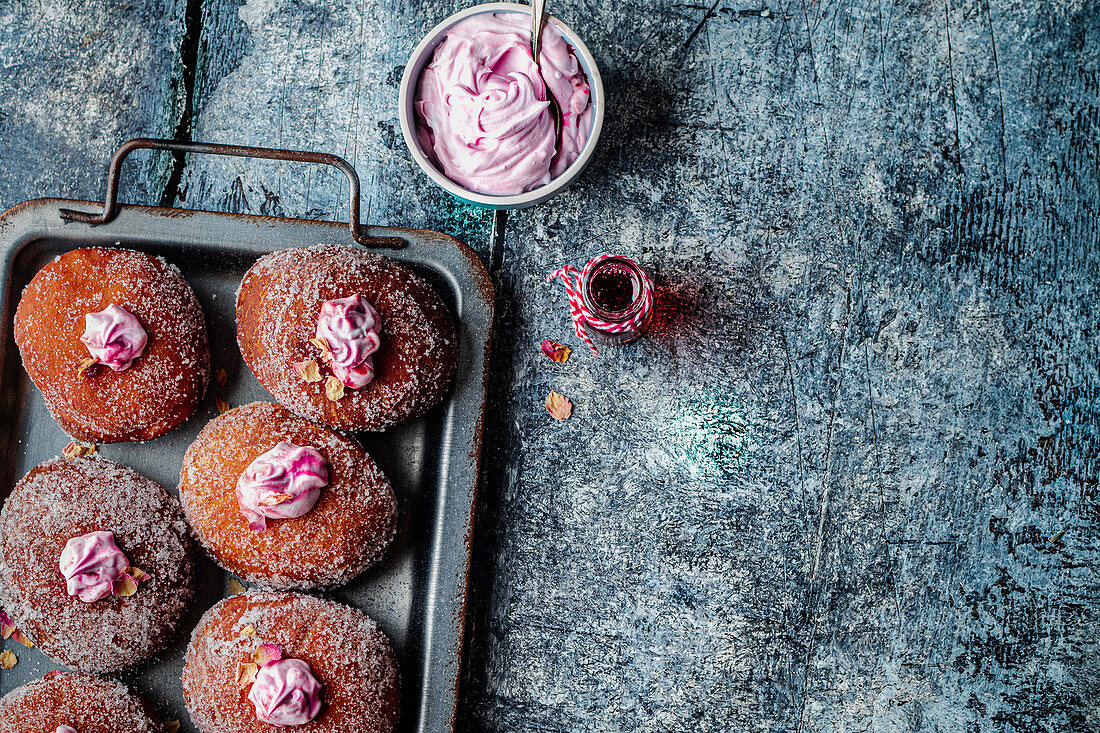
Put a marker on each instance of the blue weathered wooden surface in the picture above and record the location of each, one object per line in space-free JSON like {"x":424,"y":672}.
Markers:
{"x":76,"y":78}
{"x":850,"y":481}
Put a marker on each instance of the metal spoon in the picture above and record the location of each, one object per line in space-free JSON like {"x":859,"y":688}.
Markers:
{"x":537,"y":7}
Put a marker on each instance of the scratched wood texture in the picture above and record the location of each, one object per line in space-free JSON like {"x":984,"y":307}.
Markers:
{"x":849,"y":482}
{"x":317,"y":76}
{"x":76,"y":78}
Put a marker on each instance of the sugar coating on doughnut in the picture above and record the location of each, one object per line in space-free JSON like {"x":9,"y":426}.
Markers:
{"x":88,"y":703}
{"x":279,"y":301}
{"x":346,"y":531}
{"x":160,"y":389}
{"x":61,"y":499}
{"x":345,"y":650}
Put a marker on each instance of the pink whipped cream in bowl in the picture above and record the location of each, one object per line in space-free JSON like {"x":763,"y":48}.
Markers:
{"x":474,"y":112}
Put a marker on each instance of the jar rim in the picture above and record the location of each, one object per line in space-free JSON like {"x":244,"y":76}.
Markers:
{"x":631,"y":310}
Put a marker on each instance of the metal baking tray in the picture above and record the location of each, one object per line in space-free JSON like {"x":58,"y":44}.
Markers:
{"x":418,"y":592}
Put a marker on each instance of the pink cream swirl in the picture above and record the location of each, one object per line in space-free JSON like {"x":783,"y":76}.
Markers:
{"x":65,"y":729}
{"x":114,"y":337}
{"x":283,"y":483}
{"x":286,"y":693}
{"x":482,"y":112}
{"x":351,"y":326}
{"x":91,"y":564}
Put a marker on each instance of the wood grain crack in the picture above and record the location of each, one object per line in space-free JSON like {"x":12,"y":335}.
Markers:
{"x":189,"y":55}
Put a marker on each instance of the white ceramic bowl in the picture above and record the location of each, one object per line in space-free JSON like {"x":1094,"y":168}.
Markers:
{"x":420,"y":58}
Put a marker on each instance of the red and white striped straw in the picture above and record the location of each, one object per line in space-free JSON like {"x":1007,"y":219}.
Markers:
{"x":574,"y":279}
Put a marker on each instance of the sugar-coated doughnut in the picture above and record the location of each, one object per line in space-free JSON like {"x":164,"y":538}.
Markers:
{"x":95,"y":509}
{"x":83,"y":308}
{"x":339,"y":647}
{"x":343,"y":531}
{"x":291,"y":298}
{"x":83,"y":702}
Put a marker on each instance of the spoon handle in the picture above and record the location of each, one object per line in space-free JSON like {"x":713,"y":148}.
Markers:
{"x":536,"y":26}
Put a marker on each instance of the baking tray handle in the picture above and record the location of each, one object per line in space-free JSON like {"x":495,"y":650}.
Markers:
{"x":110,"y":206}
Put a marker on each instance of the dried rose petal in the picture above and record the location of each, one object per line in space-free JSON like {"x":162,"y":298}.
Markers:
{"x":265,"y":654}
{"x":19,"y":636}
{"x":52,"y":673}
{"x":8,"y":659}
{"x":246,"y":673}
{"x":323,"y":347}
{"x":221,"y":377}
{"x":334,"y":389}
{"x":76,"y":450}
{"x":249,"y":630}
{"x":7,"y":626}
{"x":307,"y":370}
{"x":85,"y":364}
{"x":125,"y":586}
{"x":275,"y":499}
{"x":138,"y":574}
{"x":172,"y":726}
{"x":235,"y":587}
{"x":556,"y":352}
{"x":558,"y":405}
{"x":223,"y":406}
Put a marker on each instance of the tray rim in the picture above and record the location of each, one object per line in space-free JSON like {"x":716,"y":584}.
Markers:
{"x":449,"y":257}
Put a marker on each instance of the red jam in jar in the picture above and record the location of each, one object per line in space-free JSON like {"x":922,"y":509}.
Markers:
{"x":619,"y":294}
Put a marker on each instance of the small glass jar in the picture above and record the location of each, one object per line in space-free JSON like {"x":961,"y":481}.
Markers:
{"x":619,"y":292}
